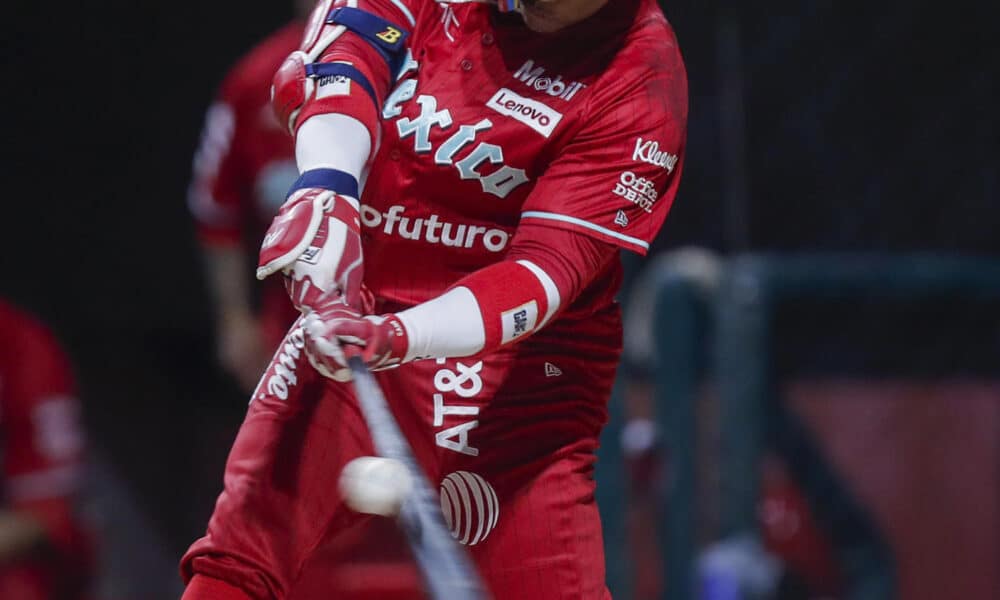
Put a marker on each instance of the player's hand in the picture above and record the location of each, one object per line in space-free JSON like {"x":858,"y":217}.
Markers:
{"x":315,"y":242}
{"x":335,"y":331}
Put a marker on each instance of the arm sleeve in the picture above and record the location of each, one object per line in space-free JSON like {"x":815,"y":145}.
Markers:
{"x":571,"y":260}
{"x":616,"y":179}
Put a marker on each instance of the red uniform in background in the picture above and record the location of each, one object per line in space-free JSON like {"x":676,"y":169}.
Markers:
{"x":244,"y":167}
{"x":42,"y":446}
{"x":491,"y":132}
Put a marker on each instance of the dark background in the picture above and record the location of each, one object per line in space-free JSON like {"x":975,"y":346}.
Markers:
{"x":815,"y":125}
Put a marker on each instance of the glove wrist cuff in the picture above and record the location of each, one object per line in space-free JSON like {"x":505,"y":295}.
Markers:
{"x":398,"y":338}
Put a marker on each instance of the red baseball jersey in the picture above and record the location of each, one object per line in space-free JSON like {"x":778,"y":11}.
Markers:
{"x":246,"y":161}
{"x":42,"y":445}
{"x":491,"y":125}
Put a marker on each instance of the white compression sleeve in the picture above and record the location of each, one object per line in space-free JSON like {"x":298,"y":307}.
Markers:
{"x":447,"y":326}
{"x":333,"y":141}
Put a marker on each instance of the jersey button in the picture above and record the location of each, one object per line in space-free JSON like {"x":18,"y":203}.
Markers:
{"x":466,"y":65}
{"x":487,"y":38}
{"x":394,"y":154}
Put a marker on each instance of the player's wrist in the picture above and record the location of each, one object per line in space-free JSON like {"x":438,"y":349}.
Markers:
{"x":400,"y":340}
{"x":389,"y":345}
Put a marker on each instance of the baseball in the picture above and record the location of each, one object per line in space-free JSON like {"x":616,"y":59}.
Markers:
{"x":375,"y":485}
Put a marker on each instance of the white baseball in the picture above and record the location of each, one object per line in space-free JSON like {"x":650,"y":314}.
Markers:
{"x":375,"y":485}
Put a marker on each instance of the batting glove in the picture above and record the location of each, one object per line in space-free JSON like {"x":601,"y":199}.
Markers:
{"x":315,"y":242}
{"x":335,"y":331}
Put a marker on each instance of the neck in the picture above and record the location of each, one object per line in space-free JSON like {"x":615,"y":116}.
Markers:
{"x":550,"y":16}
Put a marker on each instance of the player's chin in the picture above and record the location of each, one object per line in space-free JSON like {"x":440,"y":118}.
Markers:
{"x":538,"y":18}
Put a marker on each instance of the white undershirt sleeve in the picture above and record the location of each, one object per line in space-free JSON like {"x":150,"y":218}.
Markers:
{"x":450,"y":325}
{"x":333,"y":141}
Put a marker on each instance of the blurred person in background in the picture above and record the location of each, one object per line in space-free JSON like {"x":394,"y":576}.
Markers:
{"x":243,"y":169}
{"x":45,"y":552}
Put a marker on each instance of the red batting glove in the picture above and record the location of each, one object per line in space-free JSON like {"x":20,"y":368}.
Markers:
{"x":335,"y":331}
{"x":315,"y":242}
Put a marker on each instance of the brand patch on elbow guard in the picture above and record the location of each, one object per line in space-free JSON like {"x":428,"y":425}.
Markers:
{"x":518,"y":321}
{"x":333,"y":85}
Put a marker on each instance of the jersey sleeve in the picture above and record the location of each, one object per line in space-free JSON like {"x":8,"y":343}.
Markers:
{"x":217,"y":196}
{"x":617,"y":177}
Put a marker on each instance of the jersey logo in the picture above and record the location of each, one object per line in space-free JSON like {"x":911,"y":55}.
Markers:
{"x":648,"y":151}
{"x":281,"y":373}
{"x":470,"y":506}
{"x":532,"y":113}
{"x":466,"y":383}
{"x":433,"y":230}
{"x":499,"y":181}
{"x":621,"y":219}
{"x":552,"y":371}
{"x":637,"y":190}
{"x":534,"y":77}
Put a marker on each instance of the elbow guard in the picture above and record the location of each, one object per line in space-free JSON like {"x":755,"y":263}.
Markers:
{"x":301,"y":79}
